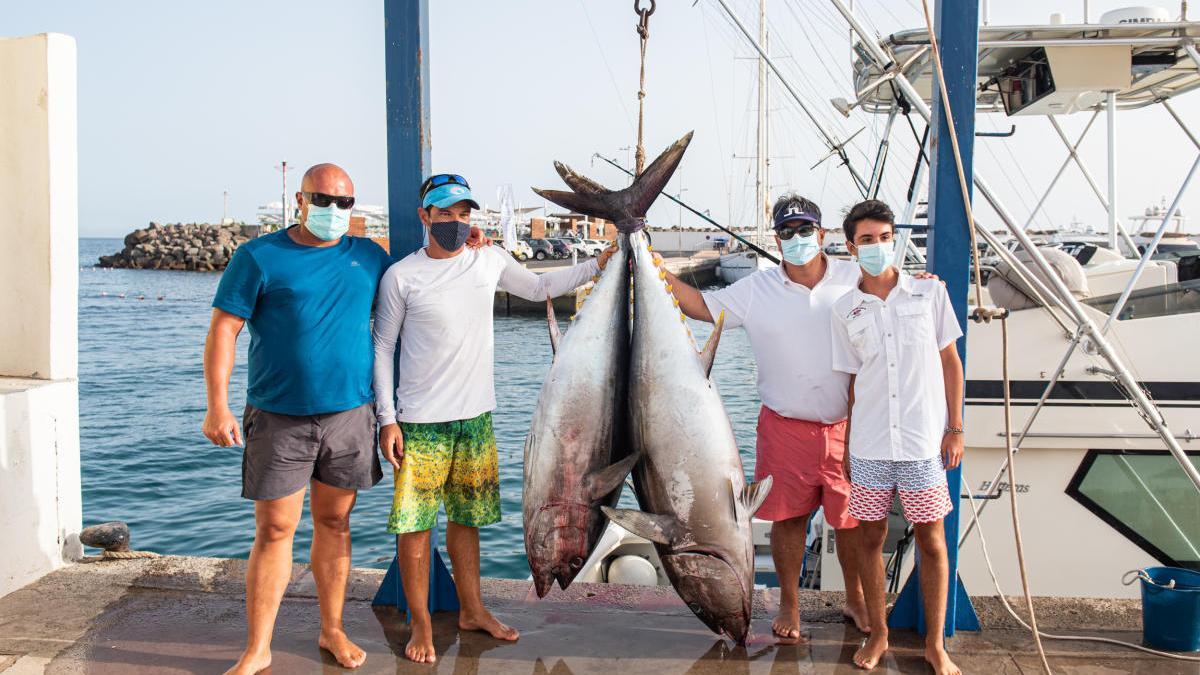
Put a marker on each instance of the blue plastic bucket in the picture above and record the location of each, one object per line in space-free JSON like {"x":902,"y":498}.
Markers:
{"x":1170,"y":608}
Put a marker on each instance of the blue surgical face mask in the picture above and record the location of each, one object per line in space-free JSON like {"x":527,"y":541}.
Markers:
{"x":799,"y":250}
{"x":327,"y":222}
{"x":875,"y":258}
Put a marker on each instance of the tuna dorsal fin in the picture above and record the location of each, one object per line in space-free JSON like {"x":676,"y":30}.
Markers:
{"x":709,"y":353}
{"x":754,"y":494}
{"x":555,"y":335}
{"x":603,"y":482}
{"x":658,"y":529}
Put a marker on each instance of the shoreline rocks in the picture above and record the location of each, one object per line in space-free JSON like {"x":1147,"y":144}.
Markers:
{"x":198,"y":247}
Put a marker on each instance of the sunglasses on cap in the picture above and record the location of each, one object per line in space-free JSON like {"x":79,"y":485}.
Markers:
{"x":804,"y":230}
{"x":441,"y":179}
{"x":322,"y":200}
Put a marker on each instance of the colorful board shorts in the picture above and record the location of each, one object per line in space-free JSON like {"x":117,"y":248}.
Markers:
{"x":804,"y":460}
{"x":452,"y":462}
{"x":921,"y":484}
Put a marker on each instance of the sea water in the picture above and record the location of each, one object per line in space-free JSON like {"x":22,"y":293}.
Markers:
{"x":142,"y":403}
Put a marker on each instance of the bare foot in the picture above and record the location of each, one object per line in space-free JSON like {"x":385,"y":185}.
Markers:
{"x":873,"y":649}
{"x":787,"y":622}
{"x":484,"y":621}
{"x":857,"y":612}
{"x":940,"y":661}
{"x":250,"y":663}
{"x":420,"y":644}
{"x":348,"y":654}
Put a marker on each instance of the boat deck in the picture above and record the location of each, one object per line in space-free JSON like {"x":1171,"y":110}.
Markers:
{"x":185,"y":615}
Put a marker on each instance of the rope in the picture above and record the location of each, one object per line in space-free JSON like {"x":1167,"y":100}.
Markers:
{"x":643,"y":31}
{"x":958,"y":164}
{"x":1012,"y":493}
{"x":127,"y":555}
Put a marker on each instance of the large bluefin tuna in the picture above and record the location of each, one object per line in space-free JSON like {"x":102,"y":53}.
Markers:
{"x":696,"y":505}
{"x":578,"y":451}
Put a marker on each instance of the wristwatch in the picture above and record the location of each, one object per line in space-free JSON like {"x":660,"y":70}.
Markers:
{"x":953,"y":430}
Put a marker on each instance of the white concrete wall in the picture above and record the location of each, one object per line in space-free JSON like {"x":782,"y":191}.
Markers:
{"x":40,"y":500}
{"x":39,"y":263}
{"x":41,"y":508}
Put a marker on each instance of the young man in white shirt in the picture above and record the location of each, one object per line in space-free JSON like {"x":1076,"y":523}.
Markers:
{"x":801,"y":426}
{"x":895,"y":337}
{"x":438,"y":435}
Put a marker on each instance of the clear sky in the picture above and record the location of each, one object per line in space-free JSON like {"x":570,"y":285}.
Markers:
{"x":181,"y":101}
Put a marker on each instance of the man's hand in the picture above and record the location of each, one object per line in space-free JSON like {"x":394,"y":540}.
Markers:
{"x":952,"y":449}
{"x":927,"y":275}
{"x":477,"y":239}
{"x":391,"y":442}
{"x":221,"y":427}
{"x":607,"y":253}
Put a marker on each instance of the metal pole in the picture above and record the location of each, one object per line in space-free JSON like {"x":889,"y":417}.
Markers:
{"x":830,"y":139}
{"x":1171,"y":109}
{"x":1091,"y":181}
{"x":760,"y":165}
{"x":406,"y":63}
{"x":1151,"y":247}
{"x":1111,"y":106}
{"x":283,"y":202}
{"x":1071,"y":149}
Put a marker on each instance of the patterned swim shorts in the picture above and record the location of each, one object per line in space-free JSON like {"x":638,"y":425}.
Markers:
{"x":921,"y":484}
{"x":454,"y":462}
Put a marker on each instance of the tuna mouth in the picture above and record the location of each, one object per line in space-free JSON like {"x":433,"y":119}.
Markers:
{"x":714,"y":591}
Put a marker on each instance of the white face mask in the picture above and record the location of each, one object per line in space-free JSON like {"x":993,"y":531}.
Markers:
{"x":875,"y":258}
{"x":327,"y":222}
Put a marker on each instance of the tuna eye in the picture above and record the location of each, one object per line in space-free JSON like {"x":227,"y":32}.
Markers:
{"x":576,"y":563}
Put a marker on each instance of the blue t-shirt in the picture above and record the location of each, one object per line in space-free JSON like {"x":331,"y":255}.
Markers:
{"x":309,"y":313}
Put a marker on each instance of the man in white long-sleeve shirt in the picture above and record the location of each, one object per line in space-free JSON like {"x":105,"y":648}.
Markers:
{"x":438,"y":435}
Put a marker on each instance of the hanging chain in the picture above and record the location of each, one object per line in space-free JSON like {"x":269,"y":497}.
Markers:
{"x":643,"y":31}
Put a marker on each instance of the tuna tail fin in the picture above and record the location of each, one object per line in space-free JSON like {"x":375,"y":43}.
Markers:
{"x":626,"y":208}
{"x":552,"y":321}
{"x":709,"y":353}
{"x":754,"y":494}
{"x":658,"y":529}
{"x":600,"y":483}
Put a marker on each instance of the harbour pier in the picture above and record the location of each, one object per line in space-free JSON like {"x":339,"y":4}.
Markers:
{"x":185,"y":615}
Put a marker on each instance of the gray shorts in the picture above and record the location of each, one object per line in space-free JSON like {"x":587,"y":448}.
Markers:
{"x":284,"y":452}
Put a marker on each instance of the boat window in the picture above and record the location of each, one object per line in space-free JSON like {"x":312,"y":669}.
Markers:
{"x":1181,"y":298}
{"x":1147,"y":498}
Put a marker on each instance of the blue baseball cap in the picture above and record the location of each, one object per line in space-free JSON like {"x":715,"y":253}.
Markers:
{"x":445,"y":190}
{"x":793,"y":212}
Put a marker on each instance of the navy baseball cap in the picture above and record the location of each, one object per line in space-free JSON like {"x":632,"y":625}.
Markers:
{"x":797,"y":211}
{"x":446,"y":189}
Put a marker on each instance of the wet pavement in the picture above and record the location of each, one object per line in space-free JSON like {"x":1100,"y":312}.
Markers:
{"x":185,"y":615}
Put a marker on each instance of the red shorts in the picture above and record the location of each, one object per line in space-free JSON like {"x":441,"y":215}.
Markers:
{"x":805,"y":461}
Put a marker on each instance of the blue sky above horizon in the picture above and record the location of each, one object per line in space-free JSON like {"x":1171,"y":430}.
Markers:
{"x":178,"y":103}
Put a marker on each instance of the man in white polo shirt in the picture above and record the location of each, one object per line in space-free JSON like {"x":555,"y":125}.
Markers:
{"x":895,"y":338}
{"x":438,"y":435}
{"x":801,"y":427}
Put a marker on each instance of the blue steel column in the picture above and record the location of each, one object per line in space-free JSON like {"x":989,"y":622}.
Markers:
{"x":956,"y":23}
{"x":406,"y":59}
{"x":406,"y":62}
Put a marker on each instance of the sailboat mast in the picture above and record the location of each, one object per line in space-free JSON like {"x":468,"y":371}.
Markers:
{"x":761,"y":173}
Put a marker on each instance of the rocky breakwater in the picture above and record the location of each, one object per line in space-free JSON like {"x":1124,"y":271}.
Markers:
{"x":196,"y":246}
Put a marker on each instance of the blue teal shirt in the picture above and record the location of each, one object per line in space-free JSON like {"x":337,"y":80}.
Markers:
{"x":309,"y":313}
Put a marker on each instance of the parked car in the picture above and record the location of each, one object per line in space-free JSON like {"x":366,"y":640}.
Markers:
{"x":542,"y":249}
{"x":521,"y":250}
{"x":594,"y":246}
{"x":561,"y":248}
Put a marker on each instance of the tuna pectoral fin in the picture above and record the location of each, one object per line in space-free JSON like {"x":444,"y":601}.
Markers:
{"x":754,"y":494}
{"x":709,"y":353}
{"x":658,"y":529}
{"x":555,"y":335}
{"x":603,"y":482}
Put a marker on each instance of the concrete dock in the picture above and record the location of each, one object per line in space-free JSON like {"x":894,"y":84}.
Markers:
{"x":699,"y":270}
{"x":185,"y":615}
